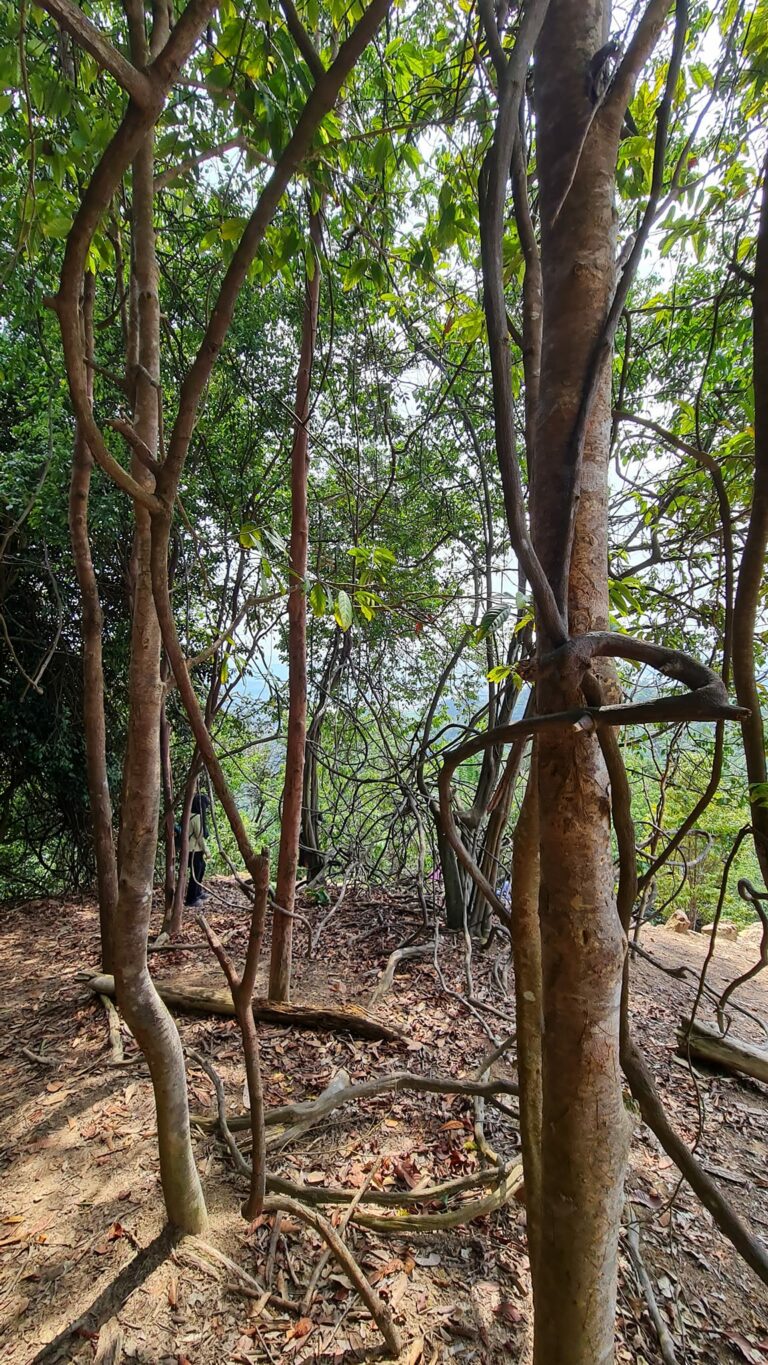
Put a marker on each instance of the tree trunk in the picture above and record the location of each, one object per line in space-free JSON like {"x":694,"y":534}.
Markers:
{"x":93,"y":670}
{"x":290,"y":829}
{"x":584,"y":1128}
{"x":169,"y":822}
{"x":455,"y":887}
{"x":145,"y":1013}
{"x":750,"y":580}
{"x":336,"y":660}
{"x":526,"y":956}
{"x":174,"y":917}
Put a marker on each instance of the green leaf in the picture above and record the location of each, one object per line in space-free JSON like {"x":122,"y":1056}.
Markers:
{"x":318,"y":600}
{"x":58,"y":226}
{"x":491,"y":622}
{"x":500,"y":673}
{"x":250,"y":536}
{"x":355,"y":274}
{"x":232,"y":228}
{"x":343,"y":610}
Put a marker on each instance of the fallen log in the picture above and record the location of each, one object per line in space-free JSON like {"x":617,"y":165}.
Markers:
{"x":734,"y":1054}
{"x":210,"y":1000}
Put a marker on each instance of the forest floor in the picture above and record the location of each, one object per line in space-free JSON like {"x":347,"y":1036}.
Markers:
{"x":84,"y":1259}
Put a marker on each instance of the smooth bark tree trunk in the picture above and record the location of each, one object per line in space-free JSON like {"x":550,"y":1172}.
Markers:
{"x":333,"y":671}
{"x":584,"y":1127}
{"x":169,"y":822}
{"x":145,"y":1013}
{"x":526,"y":957}
{"x":750,"y":580}
{"x":290,"y":829}
{"x":93,"y":668}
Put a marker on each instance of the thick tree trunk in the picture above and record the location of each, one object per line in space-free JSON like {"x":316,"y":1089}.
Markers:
{"x":584,"y":1128}
{"x":145,"y":1013}
{"x":290,"y":829}
{"x":93,"y":670}
{"x":750,"y":581}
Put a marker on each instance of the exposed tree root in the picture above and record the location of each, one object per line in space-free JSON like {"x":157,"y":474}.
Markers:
{"x":388,"y":975}
{"x":115,"y":1036}
{"x":379,"y":1085}
{"x":506,"y":1181}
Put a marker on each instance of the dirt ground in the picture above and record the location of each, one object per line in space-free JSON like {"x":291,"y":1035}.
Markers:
{"x":85,"y":1260}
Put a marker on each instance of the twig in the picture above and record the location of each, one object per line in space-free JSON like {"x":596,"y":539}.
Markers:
{"x":240,"y":1162}
{"x":36,"y":1057}
{"x":314,"y":935}
{"x":373,"y":1302}
{"x":494,"y":1056}
{"x":755,"y":898}
{"x":306,"y":1302}
{"x":666,"y":1343}
{"x":270,"y":1266}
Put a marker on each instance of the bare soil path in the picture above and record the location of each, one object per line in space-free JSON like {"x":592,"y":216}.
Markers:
{"x":84,"y":1259}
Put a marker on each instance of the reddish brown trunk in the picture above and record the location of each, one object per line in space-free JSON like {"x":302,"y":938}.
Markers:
{"x":526,"y":956}
{"x":290,"y":829}
{"x":146,"y":1015}
{"x":750,"y":581}
{"x":584,"y":1129}
{"x":93,"y":670}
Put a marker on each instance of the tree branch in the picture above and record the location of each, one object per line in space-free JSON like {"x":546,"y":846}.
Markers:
{"x":87,"y":36}
{"x":302,"y":39}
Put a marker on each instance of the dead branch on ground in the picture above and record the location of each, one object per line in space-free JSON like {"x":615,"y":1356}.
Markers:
{"x":373,"y":1302}
{"x":666,"y":1343}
